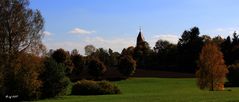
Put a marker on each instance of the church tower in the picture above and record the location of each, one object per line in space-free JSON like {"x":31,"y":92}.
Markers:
{"x":140,"y":38}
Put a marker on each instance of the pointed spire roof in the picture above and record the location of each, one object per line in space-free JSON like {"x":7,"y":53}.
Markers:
{"x":140,"y":37}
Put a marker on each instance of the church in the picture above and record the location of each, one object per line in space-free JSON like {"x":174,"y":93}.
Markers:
{"x":140,"y":38}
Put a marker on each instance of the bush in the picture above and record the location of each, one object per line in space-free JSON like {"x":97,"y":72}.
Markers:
{"x":108,"y":88}
{"x":127,"y":65}
{"x":55,"y":83}
{"x":96,"y":68}
{"x":87,"y":87}
{"x":233,"y":75}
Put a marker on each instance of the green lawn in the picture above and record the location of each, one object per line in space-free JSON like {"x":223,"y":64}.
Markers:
{"x":158,"y":90}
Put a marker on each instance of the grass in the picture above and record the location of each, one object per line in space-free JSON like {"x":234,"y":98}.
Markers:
{"x":158,"y":90}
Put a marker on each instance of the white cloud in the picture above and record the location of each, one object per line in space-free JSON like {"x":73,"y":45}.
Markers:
{"x":116,"y":44}
{"x":67,"y":45}
{"x":80,"y":31}
{"x":46,"y":33}
{"x":169,"y":37}
{"x":224,"y":32}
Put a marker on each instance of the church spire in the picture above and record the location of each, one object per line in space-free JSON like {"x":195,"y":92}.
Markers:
{"x":140,"y":37}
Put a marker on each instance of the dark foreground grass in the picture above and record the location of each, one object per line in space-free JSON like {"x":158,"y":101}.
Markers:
{"x":158,"y":90}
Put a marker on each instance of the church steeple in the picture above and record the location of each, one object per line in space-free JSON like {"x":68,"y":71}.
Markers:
{"x":140,"y":37}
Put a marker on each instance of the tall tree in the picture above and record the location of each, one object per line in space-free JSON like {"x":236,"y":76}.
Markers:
{"x":212,"y":70}
{"x":226,"y":47}
{"x":20,"y":32}
{"x":189,"y":47}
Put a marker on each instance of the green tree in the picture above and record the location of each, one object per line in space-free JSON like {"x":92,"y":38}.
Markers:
{"x":55,"y":83}
{"x":127,"y":65}
{"x":114,"y":56}
{"x":103,"y":56}
{"x":96,"y":68}
{"x":60,"y":55}
{"x":189,"y":47}
{"x":141,"y":53}
{"x":78,"y":63}
{"x":233,"y":75}
{"x":63,"y":57}
{"x":166,"y":53}
{"x":212,"y":70}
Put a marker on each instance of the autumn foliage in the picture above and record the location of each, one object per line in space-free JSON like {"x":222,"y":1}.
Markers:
{"x":212,"y":70}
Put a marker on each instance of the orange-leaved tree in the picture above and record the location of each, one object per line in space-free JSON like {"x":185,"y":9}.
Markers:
{"x":212,"y":70}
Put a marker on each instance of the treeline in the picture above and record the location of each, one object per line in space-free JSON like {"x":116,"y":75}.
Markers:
{"x":184,"y":55}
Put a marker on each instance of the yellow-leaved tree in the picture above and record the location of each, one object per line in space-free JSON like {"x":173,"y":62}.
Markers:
{"x":212,"y":70}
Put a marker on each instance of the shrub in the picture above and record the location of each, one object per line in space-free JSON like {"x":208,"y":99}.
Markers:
{"x":87,"y":87}
{"x":127,"y":65}
{"x":108,"y":88}
{"x":233,"y":75}
{"x":55,"y":83}
{"x":96,"y":68}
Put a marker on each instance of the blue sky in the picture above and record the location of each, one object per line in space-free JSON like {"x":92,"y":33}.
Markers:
{"x":71,"y":24}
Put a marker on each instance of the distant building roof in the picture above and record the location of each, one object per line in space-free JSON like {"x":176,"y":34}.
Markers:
{"x":140,"y":38}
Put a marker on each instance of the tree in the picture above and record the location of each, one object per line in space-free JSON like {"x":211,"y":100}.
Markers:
{"x":189,"y":47}
{"x":212,"y":70}
{"x":218,"y":40}
{"x":226,"y":47}
{"x":162,"y":46}
{"x":63,"y":57}
{"x":103,"y":55}
{"x":96,"y":68}
{"x":27,"y":82}
{"x":60,"y":55}
{"x":141,"y":53}
{"x":74,"y":52}
{"x":166,"y":54}
{"x":89,"y":49}
{"x":78,"y":63}
{"x":129,"y":51}
{"x":233,"y":75}
{"x":113,"y":58}
{"x":55,"y":83}
{"x":20,"y":32}
{"x":127,"y":65}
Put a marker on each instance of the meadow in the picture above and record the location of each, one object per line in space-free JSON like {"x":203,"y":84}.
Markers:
{"x":158,"y":90}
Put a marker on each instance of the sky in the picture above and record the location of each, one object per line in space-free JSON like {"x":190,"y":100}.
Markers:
{"x":73,"y":24}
